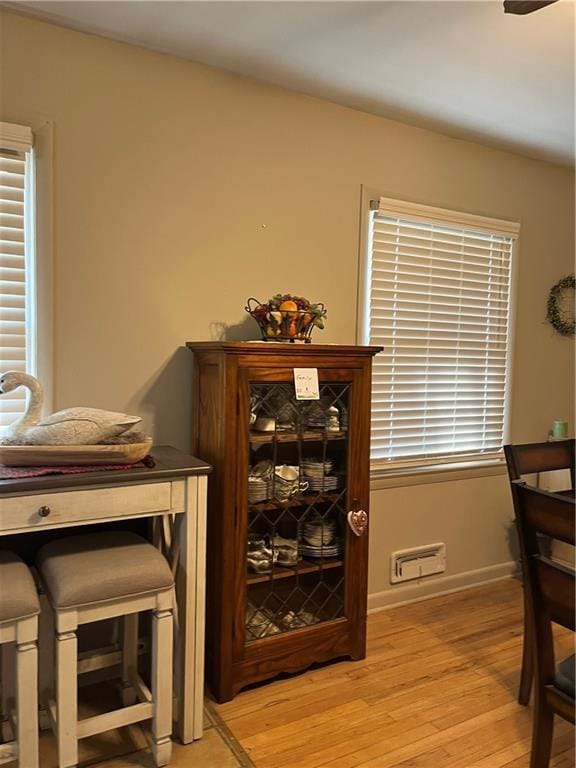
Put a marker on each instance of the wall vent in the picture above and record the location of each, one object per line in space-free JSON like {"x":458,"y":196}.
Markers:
{"x":407,"y":564}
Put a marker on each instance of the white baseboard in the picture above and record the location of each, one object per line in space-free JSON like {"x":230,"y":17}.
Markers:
{"x":423,"y":589}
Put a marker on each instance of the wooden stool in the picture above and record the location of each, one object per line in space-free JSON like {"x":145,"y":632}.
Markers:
{"x":19,"y":609}
{"x":102,"y":576}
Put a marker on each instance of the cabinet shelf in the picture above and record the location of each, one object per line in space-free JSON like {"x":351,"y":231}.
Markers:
{"x":285,"y":572}
{"x":302,"y":500}
{"x":259,"y":438}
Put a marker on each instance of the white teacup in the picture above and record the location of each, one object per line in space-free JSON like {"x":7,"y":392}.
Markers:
{"x":287,"y":472}
{"x":284,"y":489}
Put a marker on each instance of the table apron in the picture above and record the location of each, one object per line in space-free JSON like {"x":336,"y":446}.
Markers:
{"x":21,"y":514}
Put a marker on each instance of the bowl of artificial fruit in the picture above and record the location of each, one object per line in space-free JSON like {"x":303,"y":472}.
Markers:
{"x":285,"y":317}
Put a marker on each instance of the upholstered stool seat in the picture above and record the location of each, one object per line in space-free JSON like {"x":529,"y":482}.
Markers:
{"x":18,"y":596}
{"x":101,"y":576}
{"x":19,"y":609}
{"x":94,"y":568}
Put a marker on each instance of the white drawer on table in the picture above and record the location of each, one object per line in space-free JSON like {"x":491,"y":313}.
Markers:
{"x":46,"y":510}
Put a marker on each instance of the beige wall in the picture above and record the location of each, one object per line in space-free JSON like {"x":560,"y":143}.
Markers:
{"x":180,"y":190}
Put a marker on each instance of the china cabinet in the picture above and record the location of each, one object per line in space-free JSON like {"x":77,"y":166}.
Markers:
{"x":287,"y":506}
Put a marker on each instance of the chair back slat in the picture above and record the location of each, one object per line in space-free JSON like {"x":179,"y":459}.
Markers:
{"x":546,"y":513}
{"x":540,"y":457}
{"x":556,"y":585}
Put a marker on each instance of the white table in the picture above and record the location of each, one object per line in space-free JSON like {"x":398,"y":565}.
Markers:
{"x":173,"y":495}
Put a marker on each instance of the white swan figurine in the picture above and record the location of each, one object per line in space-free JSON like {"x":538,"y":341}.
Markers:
{"x":72,"y":426}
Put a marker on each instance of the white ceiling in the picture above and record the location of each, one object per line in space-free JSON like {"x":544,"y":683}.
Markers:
{"x":464,"y":68}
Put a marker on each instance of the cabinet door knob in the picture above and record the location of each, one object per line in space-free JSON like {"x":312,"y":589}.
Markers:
{"x":44,"y":511}
{"x":357,"y":520}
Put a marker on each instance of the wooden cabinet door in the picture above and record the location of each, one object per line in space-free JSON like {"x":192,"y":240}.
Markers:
{"x":301,"y":571}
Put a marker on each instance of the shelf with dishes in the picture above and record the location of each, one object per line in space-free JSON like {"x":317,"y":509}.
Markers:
{"x":302,"y":499}
{"x":300,"y":569}
{"x":262,"y":624}
{"x":269,"y":481}
{"x":276,"y":415}
{"x":292,"y":605}
{"x":314,"y":542}
{"x":260,"y":438}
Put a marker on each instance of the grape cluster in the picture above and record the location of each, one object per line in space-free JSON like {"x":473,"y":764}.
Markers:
{"x":279,"y":298}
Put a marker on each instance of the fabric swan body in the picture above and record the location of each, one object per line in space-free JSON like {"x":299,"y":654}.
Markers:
{"x":72,"y":426}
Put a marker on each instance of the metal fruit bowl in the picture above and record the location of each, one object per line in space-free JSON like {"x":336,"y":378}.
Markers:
{"x":286,"y":324}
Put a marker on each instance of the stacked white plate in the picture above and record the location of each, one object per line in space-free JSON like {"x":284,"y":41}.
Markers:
{"x":316,"y":467}
{"x":317,"y":474}
{"x":333,"y":550}
{"x":319,"y":539}
{"x":260,"y":482}
{"x":258,"y":489}
{"x":318,"y":532}
{"x":327,"y":483}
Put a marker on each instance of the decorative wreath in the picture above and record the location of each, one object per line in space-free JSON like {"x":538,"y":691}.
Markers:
{"x":560,"y":312}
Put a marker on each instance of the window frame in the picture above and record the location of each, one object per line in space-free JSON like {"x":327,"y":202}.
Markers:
{"x":39,"y":234}
{"x":384,"y":475}
{"x":44,"y":255}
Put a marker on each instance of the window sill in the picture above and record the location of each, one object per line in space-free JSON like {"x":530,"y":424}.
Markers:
{"x":440,"y":473}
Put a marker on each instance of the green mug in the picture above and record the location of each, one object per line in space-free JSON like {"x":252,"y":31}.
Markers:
{"x":560,"y":429}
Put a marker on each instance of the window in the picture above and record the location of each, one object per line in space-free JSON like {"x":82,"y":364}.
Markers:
{"x":17,"y":268}
{"x":437,"y":298}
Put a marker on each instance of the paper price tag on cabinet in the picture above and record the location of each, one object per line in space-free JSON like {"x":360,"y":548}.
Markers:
{"x":306,"y":383}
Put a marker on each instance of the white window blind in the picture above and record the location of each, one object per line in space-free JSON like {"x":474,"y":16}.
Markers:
{"x":17,"y":315}
{"x":438,"y":285}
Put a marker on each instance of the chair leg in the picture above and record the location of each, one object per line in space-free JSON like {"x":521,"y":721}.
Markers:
{"x":542,"y":730}
{"x":527,"y":670}
{"x":46,"y":656}
{"x":7,"y":678}
{"x":129,"y":658}
{"x":162,"y":631}
{"x":67,"y":698}
{"x":27,"y":703}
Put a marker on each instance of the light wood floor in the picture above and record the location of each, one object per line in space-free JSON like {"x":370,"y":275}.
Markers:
{"x":437,"y":690}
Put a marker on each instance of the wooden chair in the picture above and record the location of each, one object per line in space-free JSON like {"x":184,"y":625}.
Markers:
{"x":525,"y":460}
{"x":550,"y":592}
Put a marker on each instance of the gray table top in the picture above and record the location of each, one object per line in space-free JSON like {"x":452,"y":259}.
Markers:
{"x":170,"y":463}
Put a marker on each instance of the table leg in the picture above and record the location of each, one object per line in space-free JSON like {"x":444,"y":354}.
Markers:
{"x":200,"y":618}
{"x":190,"y":530}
